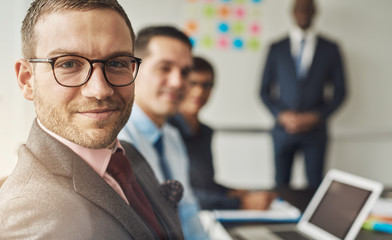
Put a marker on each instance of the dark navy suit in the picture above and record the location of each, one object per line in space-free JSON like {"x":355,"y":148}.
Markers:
{"x":281,"y":90}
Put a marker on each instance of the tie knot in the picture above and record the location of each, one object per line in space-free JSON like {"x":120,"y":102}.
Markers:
{"x":119,"y":165}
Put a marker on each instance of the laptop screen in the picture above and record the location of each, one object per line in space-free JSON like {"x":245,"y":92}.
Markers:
{"x":339,"y":208}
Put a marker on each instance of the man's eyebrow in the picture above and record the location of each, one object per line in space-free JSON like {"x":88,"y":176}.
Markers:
{"x":170,"y":62}
{"x":165,"y":61}
{"x":59,"y":52}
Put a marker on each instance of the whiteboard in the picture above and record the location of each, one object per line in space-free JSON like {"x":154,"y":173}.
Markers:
{"x":359,"y":26}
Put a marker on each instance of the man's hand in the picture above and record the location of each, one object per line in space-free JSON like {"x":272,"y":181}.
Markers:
{"x":295,"y":122}
{"x":257,"y":200}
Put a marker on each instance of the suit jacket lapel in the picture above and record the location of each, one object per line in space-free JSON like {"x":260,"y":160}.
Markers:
{"x":60,"y":160}
{"x":91,"y":186}
{"x":288,"y":58}
{"x":141,"y":169}
{"x":317,"y":59}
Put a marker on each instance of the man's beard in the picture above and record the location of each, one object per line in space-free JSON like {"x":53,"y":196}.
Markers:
{"x":61,"y":121}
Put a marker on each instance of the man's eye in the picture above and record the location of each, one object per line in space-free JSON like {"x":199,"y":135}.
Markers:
{"x":192,"y":84}
{"x":185,"y":72}
{"x":116,"y":64}
{"x":165,"y":69}
{"x":68,"y":64}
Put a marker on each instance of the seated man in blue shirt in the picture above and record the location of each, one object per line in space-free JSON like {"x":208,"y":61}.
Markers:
{"x":198,"y":137}
{"x":167,"y":60}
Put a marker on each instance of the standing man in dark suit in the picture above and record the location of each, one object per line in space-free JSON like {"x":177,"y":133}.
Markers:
{"x":74,"y":179}
{"x":303,"y":84}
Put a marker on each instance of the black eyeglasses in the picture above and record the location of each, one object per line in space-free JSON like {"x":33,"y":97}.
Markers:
{"x":203,"y":85}
{"x":75,"y":71}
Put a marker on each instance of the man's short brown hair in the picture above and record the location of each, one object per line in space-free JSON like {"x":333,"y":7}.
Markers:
{"x":145,"y":35}
{"x":40,"y":8}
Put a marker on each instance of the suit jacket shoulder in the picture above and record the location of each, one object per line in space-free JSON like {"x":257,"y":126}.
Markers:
{"x":54,"y":194}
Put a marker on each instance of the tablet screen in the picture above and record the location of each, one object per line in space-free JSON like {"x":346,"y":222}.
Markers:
{"x":339,"y":208}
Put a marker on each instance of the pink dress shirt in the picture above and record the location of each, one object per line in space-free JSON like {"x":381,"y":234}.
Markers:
{"x":97,"y":159}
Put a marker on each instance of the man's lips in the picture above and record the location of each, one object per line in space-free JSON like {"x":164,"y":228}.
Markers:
{"x":98,"y":114}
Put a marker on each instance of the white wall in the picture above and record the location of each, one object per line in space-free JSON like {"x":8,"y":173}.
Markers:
{"x":17,"y":113}
{"x":361,"y":131}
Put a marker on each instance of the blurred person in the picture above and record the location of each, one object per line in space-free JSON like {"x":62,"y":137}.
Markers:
{"x":74,"y":179}
{"x":198,"y":138}
{"x":167,"y":60}
{"x":303,"y":85}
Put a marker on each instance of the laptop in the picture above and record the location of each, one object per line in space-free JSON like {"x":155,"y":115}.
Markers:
{"x":336,"y":212}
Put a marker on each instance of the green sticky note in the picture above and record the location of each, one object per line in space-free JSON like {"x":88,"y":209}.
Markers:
{"x":238,"y":28}
{"x":253,"y":44}
{"x":209,"y":11}
{"x":207,"y":42}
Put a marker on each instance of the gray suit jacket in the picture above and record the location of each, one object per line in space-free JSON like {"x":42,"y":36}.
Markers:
{"x":54,"y":194}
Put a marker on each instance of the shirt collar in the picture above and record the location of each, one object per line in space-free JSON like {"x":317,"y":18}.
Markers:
{"x":297,"y":34}
{"x":145,"y":125}
{"x":97,"y":159}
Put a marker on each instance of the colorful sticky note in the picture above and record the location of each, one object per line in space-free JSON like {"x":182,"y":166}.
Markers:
{"x":253,"y":44}
{"x":255,"y":28}
{"x":240,"y":1}
{"x":207,"y":41}
{"x":223,"y":42}
{"x":238,"y":43}
{"x":193,"y":41}
{"x":191,"y":27}
{"x":223,"y":27}
{"x":209,"y":11}
{"x":240,"y":12}
{"x":224,"y":11}
{"x":255,"y":13}
{"x":238,"y":28}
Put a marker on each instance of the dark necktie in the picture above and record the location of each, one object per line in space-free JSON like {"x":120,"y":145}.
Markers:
{"x":122,"y":172}
{"x":162,"y":159}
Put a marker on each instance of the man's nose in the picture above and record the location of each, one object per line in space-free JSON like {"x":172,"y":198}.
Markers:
{"x":176,"y":79}
{"x":97,"y":86}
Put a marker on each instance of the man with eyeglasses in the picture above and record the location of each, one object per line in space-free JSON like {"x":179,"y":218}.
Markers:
{"x":74,"y":179}
{"x":198,"y":136}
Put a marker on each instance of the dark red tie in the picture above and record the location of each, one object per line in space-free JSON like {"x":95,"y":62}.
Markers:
{"x":121,"y":170}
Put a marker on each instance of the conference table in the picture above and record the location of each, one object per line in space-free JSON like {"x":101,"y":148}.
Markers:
{"x":300,"y":199}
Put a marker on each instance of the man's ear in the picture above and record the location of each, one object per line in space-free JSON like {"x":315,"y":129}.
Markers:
{"x":25,"y":78}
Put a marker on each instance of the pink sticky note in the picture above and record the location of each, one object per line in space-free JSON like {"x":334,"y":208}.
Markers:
{"x":255,"y":28}
{"x":240,"y":12}
{"x":223,"y":42}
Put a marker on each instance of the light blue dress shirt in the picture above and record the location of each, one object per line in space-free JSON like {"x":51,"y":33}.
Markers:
{"x":143,"y":133}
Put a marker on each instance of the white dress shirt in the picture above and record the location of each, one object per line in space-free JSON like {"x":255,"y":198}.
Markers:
{"x":296,"y":36}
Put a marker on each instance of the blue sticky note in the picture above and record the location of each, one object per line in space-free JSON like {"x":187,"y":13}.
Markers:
{"x":238,"y":43}
{"x":223,"y":27}
{"x":193,"y":41}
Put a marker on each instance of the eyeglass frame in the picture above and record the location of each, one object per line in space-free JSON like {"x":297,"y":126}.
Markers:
{"x":91,"y":62}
